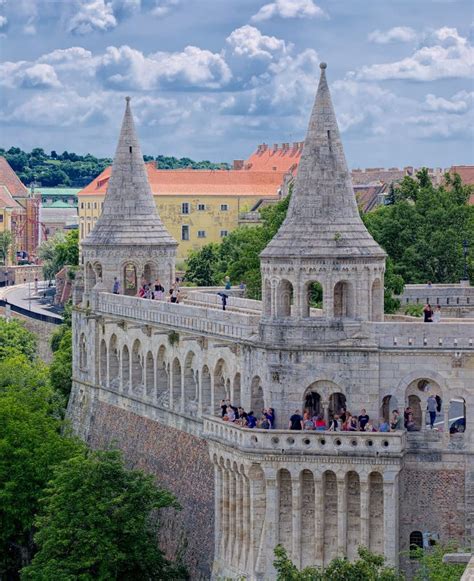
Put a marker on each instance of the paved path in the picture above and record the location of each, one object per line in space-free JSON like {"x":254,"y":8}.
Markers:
{"x":23,"y":295}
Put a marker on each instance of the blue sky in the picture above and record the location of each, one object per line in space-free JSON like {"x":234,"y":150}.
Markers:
{"x":211,"y":79}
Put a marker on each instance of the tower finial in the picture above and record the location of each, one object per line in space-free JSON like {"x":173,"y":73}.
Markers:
{"x":323,"y":66}
{"x":128,"y":99}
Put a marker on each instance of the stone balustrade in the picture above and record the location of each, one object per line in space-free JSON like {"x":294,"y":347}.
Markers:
{"x":178,"y":316}
{"x":419,"y":335}
{"x":212,"y":299}
{"x":305,"y":442}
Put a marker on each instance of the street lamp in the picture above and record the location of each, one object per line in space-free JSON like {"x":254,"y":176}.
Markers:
{"x":465,"y":246}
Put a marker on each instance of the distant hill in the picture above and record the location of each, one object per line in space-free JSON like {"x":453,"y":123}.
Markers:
{"x":71,"y":170}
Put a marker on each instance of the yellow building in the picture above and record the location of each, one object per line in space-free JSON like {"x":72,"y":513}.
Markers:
{"x":196,"y":206}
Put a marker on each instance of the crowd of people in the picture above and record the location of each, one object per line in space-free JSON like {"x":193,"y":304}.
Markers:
{"x":154,"y":291}
{"x":265,"y":420}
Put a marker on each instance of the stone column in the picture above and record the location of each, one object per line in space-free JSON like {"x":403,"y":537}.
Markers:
{"x":237,"y":545}
{"x":182,"y":389}
{"x":271,"y":521}
{"x":341,"y":515}
{"x":296,"y":519}
{"x":225,"y":513}
{"x":319,"y":518}
{"x":245,"y":522}
{"x":199,"y":394}
{"x":390,"y":517}
{"x":170,"y":386}
{"x":446,"y":418}
{"x":213,"y":408}
{"x":217,"y":511}
{"x":325,"y":411}
{"x":423,"y":418}
{"x":364,"y":510}
{"x":232,"y":535}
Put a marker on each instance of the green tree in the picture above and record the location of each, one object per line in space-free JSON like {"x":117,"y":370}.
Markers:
{"x":431,"y":566}
{"x":30,"y":445}
{"x":16,"y":339}
{"x":6,"y":241}
{"x":98,"y":521}
{"x":61,"y":366}
{"x":201,"y":265}
{"x":59,"y":251}
{"x":368,"y":567}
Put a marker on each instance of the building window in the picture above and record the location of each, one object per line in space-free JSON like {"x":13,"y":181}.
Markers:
{"x":185,"y":208}
{"x":416,"y":541}
{"x":184,"y":232}
{"x":201,"y":233}
{"x":224,"y":207}
{"x":224,"y":233}
{"x":1,"y":218}
{"x":102,"y":205}
{"x":88,"y":205}
{"x":82,"y":205}
{"x":88,"y":228}
{"x":201,"y":207}
{"x":95,"y":205}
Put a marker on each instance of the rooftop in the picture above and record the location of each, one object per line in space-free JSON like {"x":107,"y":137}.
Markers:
{"x":11,"y":181}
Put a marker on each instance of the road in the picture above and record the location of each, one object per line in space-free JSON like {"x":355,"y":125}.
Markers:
{"x":23,"y":295}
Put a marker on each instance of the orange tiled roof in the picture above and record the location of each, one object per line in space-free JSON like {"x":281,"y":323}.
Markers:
{"x":279,"y":157}
{"x":6,"y":200}
{"x":11,"y":181}
{"x":169,"y":182}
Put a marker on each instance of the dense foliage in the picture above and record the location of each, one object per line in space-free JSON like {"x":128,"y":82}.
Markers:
{"x":431,"y":566}
{"x":422,"y":230}
{"x":368,"y":567}
{"x":6,"y":240}
{"x":96,"y":523}
{"x":72,"y":170}
{"x":15,"y":339}
{"x":59,"y":251}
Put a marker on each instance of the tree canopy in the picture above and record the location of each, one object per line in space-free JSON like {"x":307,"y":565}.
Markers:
{"x":97,"y":521}
{"x":59,"y":251}
{"x":15,"y":339}
{"x":69,"y":169}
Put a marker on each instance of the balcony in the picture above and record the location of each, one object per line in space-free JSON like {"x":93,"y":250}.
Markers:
{"x":314,"y":443}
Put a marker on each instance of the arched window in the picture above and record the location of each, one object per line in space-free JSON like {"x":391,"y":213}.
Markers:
{"x":125,"y":369}
{"x":236,"y":390}
{"x":284,"y":299}
{"x":90,"y":277}
{"x":343,"y":299}
{"x":267,"y":298}
{"x":314,"y":305}
{"x":416,"y":542}
{"x":113,"y":362}
{"x":130,"y":280}
{"x":256,"y":396}
{"x":312,"y":402}
{"x":137,"y":370}
{"x":176,"y":386}
{"x":162,"y":391}
{"x":415,"y":404}
{"x":190,"y":384}
{"x":206,"y":390}
{"x":150,"y":272}
{"x":389,"y":403}
{"x":337,"y":403}
{"x":83,"y":352}
{"x":219,"y":385}
{"x":457,"y":416}
{"x":103,"y":362}
{"x":149,"y":374}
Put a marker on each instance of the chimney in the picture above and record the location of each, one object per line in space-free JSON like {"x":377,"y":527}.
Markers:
{"x":275,"y":147}
{"x":239,"y":163}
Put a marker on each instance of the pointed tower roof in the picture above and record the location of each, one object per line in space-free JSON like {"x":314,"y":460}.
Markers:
{"x":129,"y":215}
{"x":323,"y":219}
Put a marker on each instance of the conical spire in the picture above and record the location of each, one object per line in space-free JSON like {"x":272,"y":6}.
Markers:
{"x":129,"y":215}
{"x":323,"y":218}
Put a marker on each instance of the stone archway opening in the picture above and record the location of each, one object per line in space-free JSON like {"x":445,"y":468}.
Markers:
{"x":389,"y":403}
{"x":137,"y":369}
{"x":343,"y":299}
{"x":337,"y":404}
{"x":90,"y":277}
{"x":314,"y":300}
{"x":220,"y":373}
{"x":114,"y":363}
{"x":284,"y":299}
{"x":130,"y":283}
{"x":206,"y":390}
{"x":417,"y":395}
{"x":125,"y":368}
{"x":103,"y":362}
{"x":257,"y":402}
{"x":150,"y":272}
{"x":457,"y":416}
{"x":83,"y":352}
{"x":377,"y":299}
{"x":149,"y":374}
{"x":162,"y":391}
{"x":190,"y":384}
{"x":312,"y":402}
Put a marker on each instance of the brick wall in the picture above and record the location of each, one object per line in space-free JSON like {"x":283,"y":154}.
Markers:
{"x":181,"y":464}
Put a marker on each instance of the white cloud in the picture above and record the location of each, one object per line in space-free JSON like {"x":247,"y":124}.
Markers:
{"x":3,"y":22}
{"x":91,"y":16}
{"x":396,"y":34}
{"x":289,"y":9}
{"x":459,"y":103}
{"x":163,"y":7}
{"x":248,"y":41}
{"x":125,"y":67}
{"x":28,"y":76}
{"x":445,"y":55}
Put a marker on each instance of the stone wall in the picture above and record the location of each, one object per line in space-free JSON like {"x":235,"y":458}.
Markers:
{"x":181,"y":464}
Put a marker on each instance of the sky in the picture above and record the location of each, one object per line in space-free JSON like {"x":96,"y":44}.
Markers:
{"x":212,"y":79}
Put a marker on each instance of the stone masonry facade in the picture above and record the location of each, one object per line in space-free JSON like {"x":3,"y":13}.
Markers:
{"x":149,"y":377}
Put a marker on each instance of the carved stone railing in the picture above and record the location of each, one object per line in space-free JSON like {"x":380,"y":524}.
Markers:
{"x":419,"y":335}
{"x":187,"y":318}
{"x":305,"y":442}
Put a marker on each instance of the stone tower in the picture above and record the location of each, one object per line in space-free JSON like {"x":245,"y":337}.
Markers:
{"x":129,"y":240}
{"x":323,"y":239}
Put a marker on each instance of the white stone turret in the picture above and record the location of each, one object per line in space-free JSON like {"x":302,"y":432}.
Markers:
{"x":323,"y":239}
{"x":129,"y":241}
